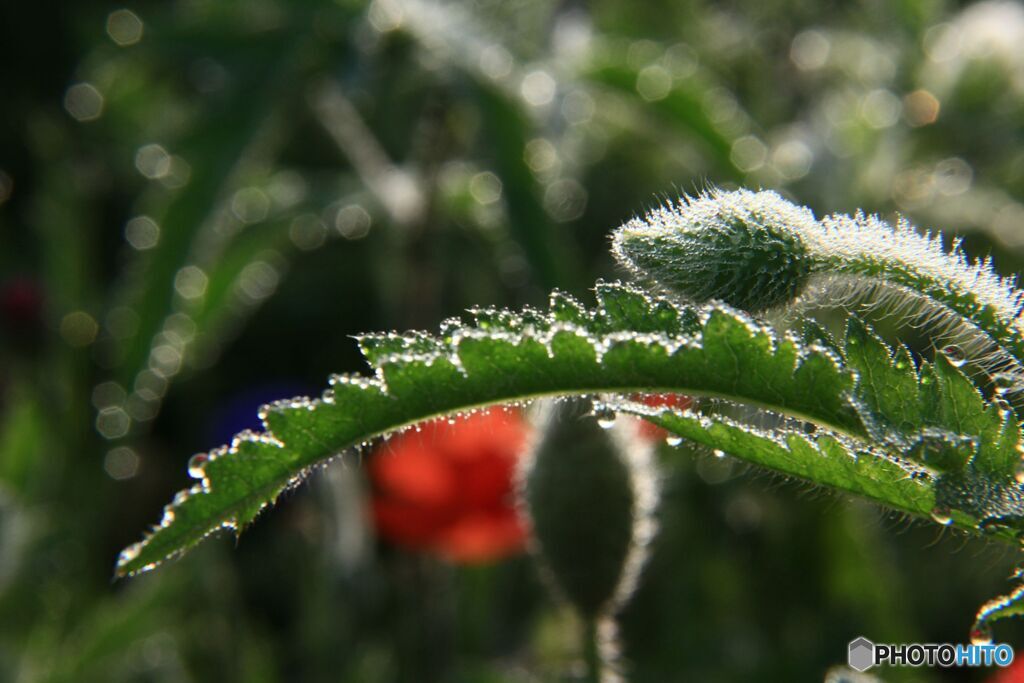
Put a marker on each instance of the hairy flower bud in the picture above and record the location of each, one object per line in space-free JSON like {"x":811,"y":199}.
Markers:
{"x":744,"y":248}
{"x":589,"y":496}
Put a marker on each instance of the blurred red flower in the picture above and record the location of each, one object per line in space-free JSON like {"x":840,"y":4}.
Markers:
{"x":678,"y":401}
{"x":1011,"y":674}
{"x":449,"y":488}
{"x":21,"y":301}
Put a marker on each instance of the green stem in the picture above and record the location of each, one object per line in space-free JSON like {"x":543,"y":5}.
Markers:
{"x":591,"y":653}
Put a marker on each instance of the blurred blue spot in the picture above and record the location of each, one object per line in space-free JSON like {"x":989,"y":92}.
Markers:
{"x":241,"y":410}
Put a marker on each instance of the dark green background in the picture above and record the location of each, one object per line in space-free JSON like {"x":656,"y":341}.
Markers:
{"x":752,"y":578}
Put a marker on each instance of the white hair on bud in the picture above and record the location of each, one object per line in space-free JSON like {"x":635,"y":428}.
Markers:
{"x":693,"y":212}
{"x":864,"y":261}
{"x":761,"y":253}
{"x":741,"y":247}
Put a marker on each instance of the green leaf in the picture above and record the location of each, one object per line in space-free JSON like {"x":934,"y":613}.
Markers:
{"x":940,"y":420}
{"x":941,"y":449}
{"x":948,"y":454}
{"x":827,"y":459}
{"x":888,"y":388}
{"x":417,"y":377}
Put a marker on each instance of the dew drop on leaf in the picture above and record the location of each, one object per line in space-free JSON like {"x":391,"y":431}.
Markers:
{"x":719,"y":453}
{"x":941,"y":515}
{"x":605,"y":417}
{"x":955,"y":355}
{"x":993,"y":525}
{"x":196,"y":464}
{"x":673,"y":440}
{"x":129,"y":553}
{"x":1002,"y":383}
{"x":981,"y":635}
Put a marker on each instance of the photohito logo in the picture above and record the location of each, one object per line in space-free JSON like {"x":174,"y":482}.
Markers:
{"x":863,"y":654}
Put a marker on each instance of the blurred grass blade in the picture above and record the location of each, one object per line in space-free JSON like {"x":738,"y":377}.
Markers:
{"x":508,"y":130}
{"x":397,"y":190}
{"x":681,"y":105}
{"x":453,"y":34}
{"x":214,"y":151}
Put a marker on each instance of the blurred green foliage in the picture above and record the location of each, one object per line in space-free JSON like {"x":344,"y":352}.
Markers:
{"x":201,"y":200}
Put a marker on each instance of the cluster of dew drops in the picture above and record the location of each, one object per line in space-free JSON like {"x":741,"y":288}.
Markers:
{"x":606,"y":416}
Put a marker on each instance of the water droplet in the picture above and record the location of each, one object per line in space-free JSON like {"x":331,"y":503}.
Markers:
{"x":993,"y":525}
{"x":942,"y":515}
{"x":1018,"y":473}
{"x":981,"y":635}
{"x":605,"y":417}
{"x":196,"y":465}
{"x":956,"y":356}
{"x":719,"y":453}
{"x":1002,"y":383}
{"x":673,"y":440}
{"x":129,"y":553}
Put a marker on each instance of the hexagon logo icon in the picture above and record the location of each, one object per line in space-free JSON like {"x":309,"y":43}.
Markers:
{"x":862,"y":654}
